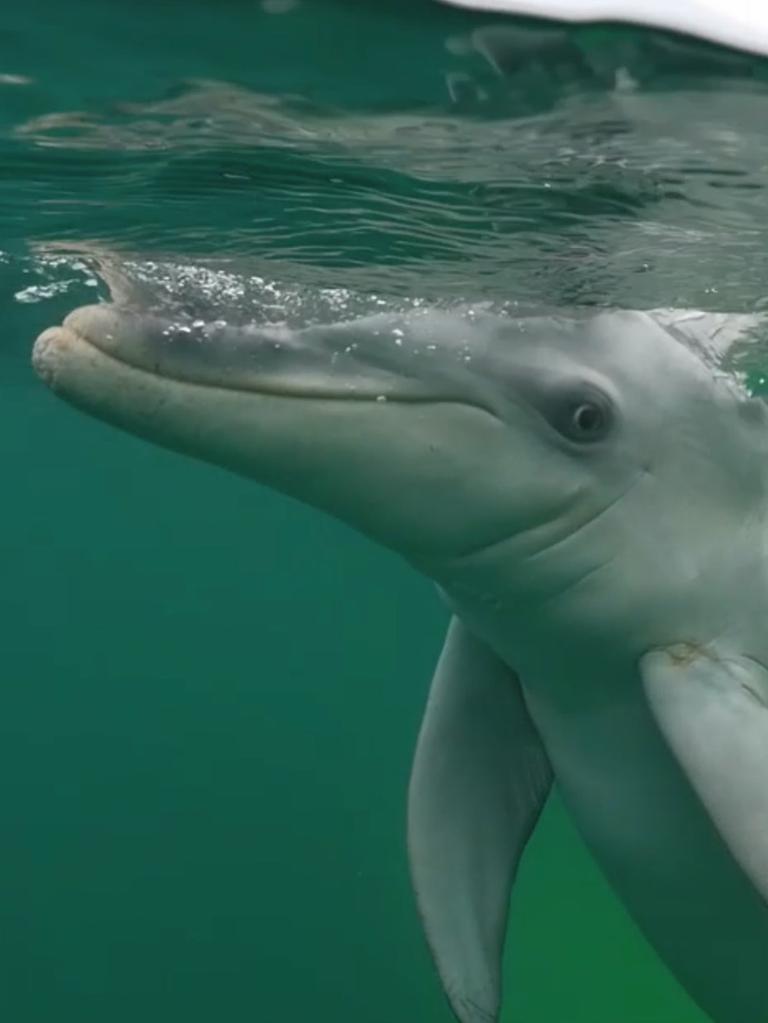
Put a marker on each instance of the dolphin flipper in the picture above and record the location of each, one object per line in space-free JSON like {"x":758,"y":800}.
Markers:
{"x":713,"y":712}
{"x":479,"y":781}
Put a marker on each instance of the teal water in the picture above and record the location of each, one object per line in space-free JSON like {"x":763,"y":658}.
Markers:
{"x":210,"y":693}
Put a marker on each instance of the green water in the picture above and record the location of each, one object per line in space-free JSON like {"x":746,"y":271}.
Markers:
{"x":210,"y":693}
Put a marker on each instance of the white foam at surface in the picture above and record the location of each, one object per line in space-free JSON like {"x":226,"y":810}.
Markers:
{"x":742,"y":24}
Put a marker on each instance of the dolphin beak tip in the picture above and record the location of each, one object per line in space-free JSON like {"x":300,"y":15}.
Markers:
{"x":46,"y":353}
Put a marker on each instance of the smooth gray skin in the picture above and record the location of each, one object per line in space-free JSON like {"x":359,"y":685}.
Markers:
{"x":609,"y":592}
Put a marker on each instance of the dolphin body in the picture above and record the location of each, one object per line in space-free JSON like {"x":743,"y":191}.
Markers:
{"x":590,"y":497}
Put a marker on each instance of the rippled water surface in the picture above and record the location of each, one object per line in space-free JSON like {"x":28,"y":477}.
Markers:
{"x":210,"y":694}
{"x":405,"y":148}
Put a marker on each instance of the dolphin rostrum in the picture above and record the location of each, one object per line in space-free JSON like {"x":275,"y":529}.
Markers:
{"x":590,"y":495}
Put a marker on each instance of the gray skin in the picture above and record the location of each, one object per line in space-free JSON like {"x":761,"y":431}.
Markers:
{"x":590,"y":497}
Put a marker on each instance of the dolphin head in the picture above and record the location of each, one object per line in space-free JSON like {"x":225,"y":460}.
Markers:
{"x":546,"y":445}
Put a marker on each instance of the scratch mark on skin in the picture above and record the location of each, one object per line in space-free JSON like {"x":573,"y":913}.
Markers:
{"x":755,"y":695}
{"x":683,"y":655}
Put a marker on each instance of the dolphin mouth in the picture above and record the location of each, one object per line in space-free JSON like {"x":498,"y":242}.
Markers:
{"x":267,"y":360}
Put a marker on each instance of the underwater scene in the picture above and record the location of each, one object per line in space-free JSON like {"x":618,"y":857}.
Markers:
{"x":425,"y":293}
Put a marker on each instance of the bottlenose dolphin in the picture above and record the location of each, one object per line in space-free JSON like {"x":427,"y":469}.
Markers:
{"x":590,"y":495}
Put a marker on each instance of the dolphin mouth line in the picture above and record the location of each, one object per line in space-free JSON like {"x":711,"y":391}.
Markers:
{"x":267,"y":391}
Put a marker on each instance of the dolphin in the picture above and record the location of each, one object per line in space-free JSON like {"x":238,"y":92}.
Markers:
{"x":589,"y":493}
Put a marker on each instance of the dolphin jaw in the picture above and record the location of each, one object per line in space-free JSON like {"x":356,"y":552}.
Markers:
{"x":106,"y":329}
{"x":347,"y":457}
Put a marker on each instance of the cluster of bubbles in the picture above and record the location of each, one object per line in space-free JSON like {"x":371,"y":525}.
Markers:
{"x":199,"y":299}
{"x":221,"y":290}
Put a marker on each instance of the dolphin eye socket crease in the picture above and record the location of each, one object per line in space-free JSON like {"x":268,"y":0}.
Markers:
{"x":587,"y":420}
{"x":578,"y":410}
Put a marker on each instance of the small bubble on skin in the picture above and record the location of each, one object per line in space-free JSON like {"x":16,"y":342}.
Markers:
{"x":381,"y":398}
{"x":198,"y":324}
{"x":431,"y":348}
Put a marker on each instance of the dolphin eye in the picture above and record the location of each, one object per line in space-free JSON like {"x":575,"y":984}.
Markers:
{"x":584,"y":416}
{"x":578,"y":409}
{"x":587,"y":421}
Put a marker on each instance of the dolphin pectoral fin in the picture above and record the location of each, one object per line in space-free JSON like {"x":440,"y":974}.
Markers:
{"x":713,"y":712}
{"x":480,"y":778}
